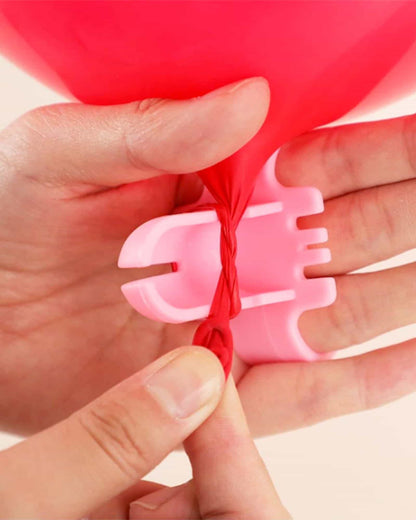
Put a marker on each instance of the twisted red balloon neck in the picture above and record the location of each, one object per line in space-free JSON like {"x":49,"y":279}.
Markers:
{"x":214,"y":332}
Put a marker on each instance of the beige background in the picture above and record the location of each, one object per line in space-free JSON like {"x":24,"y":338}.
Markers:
{"x":358,"y":467}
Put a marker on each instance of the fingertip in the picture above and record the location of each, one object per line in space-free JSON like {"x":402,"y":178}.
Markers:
{"x":200,"y":350}
{"x":183,"y":136}
{"x":258,"y":89}
{"x":246,"y":104}
{"x":171,"y":502}
{"x":189,"y":386}
{"x":202,"y":356}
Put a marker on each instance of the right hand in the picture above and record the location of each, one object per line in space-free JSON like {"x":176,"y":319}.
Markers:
{"x":230,"y":481}
{"x":91,"y":463}
{"x":105,"y":448}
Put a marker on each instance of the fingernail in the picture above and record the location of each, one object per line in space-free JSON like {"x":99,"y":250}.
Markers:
{"x":187,"y":383}
{"x":155,"y":500}
{"x":144,"y":505}
{"x":233,"y":87}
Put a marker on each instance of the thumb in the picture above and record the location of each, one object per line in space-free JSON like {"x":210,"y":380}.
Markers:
{"x":230,"y":480}
{"x":101,"y":450}
{"x":108,"y":146}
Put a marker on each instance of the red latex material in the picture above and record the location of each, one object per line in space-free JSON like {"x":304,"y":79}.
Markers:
{"x":214,"y":332}
{"x":323,"y":58}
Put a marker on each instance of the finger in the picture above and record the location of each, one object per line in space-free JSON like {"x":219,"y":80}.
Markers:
{"x":177,"y":503}
{"x":230,"y":479}
{"x":118,"y":507}
{"x":351,"y":157}
{"x":281,"y":397}
{"x":108,"y":146}
{"x":100,"y":451}
{"x":367,"y":305}
{"x":366,"y":227}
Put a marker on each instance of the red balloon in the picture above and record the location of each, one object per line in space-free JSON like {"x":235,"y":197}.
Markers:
{"x":323,"y":58}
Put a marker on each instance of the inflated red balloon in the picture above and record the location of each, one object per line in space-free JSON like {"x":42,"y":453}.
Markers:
{"x":323,"y":58}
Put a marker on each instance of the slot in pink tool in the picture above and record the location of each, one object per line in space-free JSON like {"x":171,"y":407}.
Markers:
{"x":272,"y":255}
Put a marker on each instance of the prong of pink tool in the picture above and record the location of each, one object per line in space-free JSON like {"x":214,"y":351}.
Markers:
{"x":272,"y":255}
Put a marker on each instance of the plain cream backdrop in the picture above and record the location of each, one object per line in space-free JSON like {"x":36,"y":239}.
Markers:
{"x":360,"y":467}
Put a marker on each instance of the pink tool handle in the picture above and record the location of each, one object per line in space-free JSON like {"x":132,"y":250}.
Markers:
{"x":272,"y":255}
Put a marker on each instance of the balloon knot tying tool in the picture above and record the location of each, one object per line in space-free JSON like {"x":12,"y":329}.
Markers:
{"x":272,"y":255}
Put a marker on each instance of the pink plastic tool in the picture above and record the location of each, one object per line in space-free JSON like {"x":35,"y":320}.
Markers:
{"x":272,"y":255}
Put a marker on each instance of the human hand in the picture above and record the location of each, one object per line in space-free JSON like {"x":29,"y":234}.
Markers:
{"x":71,"y":194}
{"x":76,"y":180}
{"x":230,"y":481}
{"x":102,"y":450}
{"x":366,"y":173}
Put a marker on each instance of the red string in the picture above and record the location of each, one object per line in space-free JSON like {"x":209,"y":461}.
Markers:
{"x":214,"y":332}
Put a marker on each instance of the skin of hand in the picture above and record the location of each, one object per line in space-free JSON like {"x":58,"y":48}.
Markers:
{"x":76,"y":180}
{"x":230,"y":481}
{"x":105,"y":448}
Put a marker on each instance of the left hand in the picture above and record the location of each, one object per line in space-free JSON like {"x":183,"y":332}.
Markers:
{"x":69,"y":197}
{"x":367,"y":175}
{"x":75,"y":181}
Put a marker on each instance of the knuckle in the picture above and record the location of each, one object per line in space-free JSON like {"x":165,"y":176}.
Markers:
{"x":360,"y":376}
{"x":131,"y":151}
{"x":312,"y":395}
{"x":28,"y":134}
{"x":338,"y":320}
{"x":385,"y":220}
{"x":135,"y":134}
{"x":350,"y":318}
{"x":356,"y":219}
{"x":40,"y":123}
{"x":113,"y":429}
{"x":335,"y":154}
{"x":313,"y":325}
{"x":371,"y":223}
